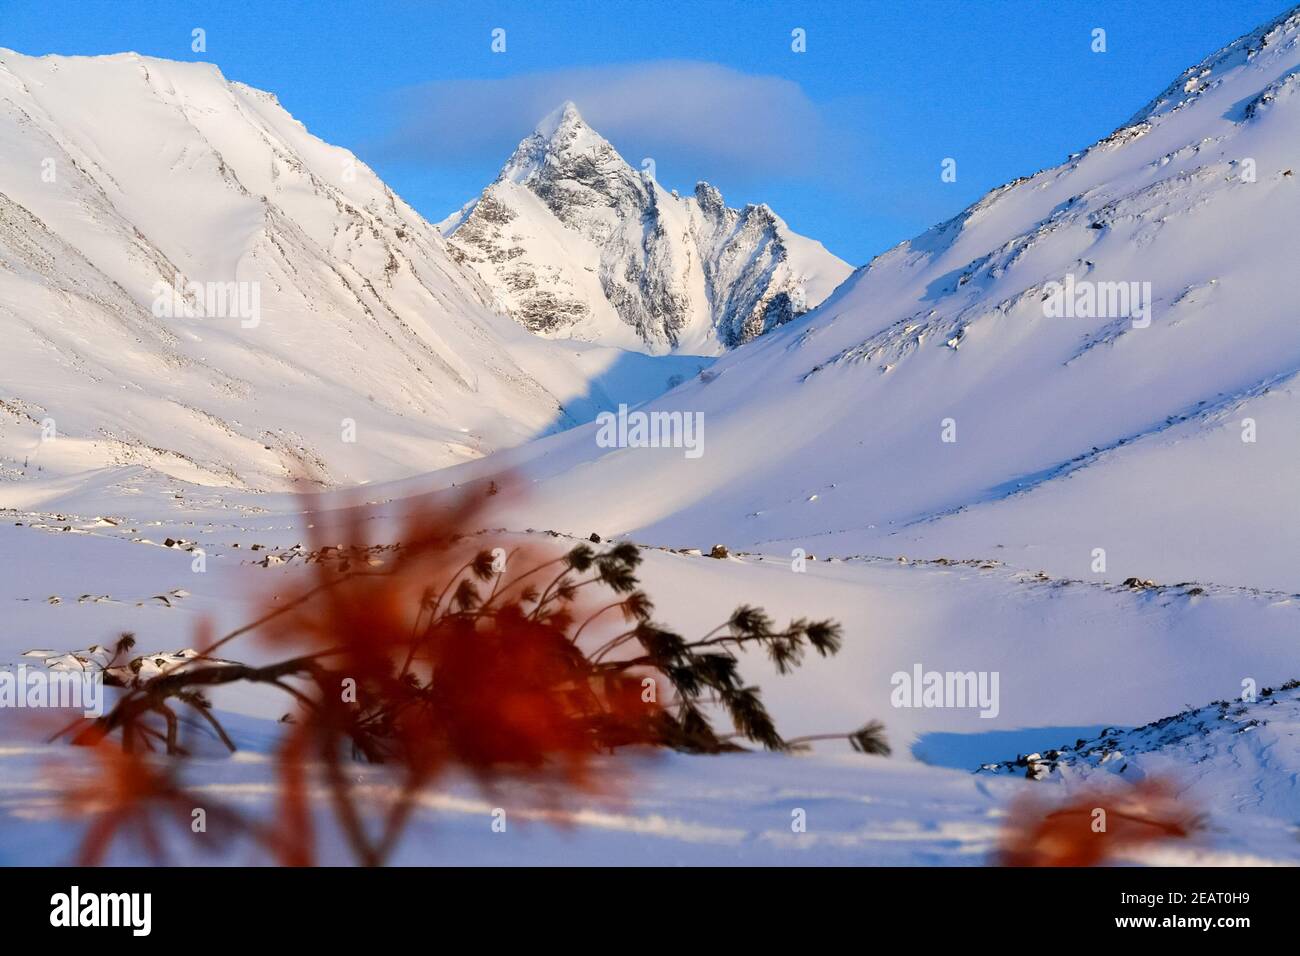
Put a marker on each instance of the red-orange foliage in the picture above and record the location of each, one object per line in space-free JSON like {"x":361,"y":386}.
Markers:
{"x":478,"y":680}
{"x":127,"y":795}
{"x":486,"y":682}
{"x":439,"y":653}
{"x":1039,"y":832}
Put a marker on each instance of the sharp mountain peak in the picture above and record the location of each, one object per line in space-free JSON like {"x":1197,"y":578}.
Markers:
{"x":577,"y":243}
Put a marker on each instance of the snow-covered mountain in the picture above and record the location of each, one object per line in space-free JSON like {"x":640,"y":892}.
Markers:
{"x":577,"y":244}
{"x":948,"y":401}
{"x":341,"y":342}
{"x":976,"y":439}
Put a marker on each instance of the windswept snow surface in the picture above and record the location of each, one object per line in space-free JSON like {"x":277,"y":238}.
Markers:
{"x":1070,"y":655}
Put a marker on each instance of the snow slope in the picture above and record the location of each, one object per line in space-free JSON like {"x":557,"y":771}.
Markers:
{"x":577,"y":244}
{"x":1055,"y":644}
{"x":1116,"y":432}
{"x":1235,"y":758}
{"x":124,"y":172}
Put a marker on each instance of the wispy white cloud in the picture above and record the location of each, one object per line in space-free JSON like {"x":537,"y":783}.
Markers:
{"x":704,"y":115}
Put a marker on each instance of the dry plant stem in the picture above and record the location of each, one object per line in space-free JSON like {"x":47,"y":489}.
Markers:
{"x":502,"y":689}
{"x":346,"y":811}
{"x":126,"y":713}
{"x":607,"y":607}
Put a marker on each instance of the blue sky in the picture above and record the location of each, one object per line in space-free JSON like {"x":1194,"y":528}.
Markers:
{"x":845,"y":140}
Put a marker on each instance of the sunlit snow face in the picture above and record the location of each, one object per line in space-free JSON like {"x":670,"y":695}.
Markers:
{"x":240,"y":300}
{"x":656,"y":429}
{"x":1086,"y":299}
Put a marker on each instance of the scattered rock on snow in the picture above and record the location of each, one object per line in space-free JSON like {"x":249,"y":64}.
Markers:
{"x":1138,"y":584}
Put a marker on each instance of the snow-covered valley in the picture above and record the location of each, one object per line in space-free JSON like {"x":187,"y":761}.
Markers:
{"x":1052,"y":442}
{"x":1074,"y":659}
